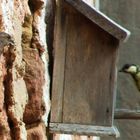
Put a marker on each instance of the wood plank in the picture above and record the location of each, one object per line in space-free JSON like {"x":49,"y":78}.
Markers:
{"x":59,"y":64}
{"x":127,"y":114}
{"x":89,"y":73}
{"x":84,"y":130}
{"x":100,"y":19}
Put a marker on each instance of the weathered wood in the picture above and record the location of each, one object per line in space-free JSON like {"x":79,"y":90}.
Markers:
{"x":84,"y":129}
{"x":100,"y":19}
{"x":127,"y":114}
{"x":84,"y":77}
{"x":89,"y":73}
{"x":59,"y":63}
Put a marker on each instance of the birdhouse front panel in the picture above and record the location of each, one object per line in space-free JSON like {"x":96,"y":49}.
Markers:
{"x":89,"y":78}
{"x":84,"y":77}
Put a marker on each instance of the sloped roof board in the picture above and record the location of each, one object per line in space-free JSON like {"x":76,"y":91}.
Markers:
{"x":100,"y":19}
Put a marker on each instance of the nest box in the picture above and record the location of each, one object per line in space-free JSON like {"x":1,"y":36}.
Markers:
{"x":86,"y":44}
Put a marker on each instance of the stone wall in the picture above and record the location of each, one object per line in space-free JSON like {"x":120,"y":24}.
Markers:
{"x":24,"y":86}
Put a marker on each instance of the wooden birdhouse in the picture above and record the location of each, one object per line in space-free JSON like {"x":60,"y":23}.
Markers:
{"x":86,"y":44}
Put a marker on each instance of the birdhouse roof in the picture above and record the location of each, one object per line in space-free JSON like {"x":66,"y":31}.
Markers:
{"x":100,"y":19}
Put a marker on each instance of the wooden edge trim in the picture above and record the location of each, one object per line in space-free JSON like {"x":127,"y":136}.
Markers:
{"x":100,"y":19}
{"x":84,"y":129}
{"x":127,"y":114}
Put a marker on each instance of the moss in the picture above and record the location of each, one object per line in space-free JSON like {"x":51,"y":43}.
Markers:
{"x":27,"y":31}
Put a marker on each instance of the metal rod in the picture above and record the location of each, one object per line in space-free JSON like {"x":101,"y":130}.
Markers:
{"x":127,"y":114}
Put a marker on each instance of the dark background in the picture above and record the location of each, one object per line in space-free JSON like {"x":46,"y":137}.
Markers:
{"x":127,"y":14}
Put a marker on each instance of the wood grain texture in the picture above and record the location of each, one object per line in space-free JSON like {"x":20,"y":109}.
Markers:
{"x":84,"y":129}
{"x":59,"y":63}
{"x":89,"y":73}
{"x":100,"y":19}
{"x":84,"y":77}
